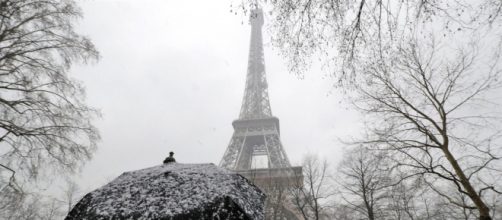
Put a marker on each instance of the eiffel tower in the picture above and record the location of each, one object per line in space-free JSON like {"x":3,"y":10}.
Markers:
{"x":255,"y":150}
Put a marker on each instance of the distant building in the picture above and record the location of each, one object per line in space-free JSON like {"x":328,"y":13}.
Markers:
{"x":174,"y":191}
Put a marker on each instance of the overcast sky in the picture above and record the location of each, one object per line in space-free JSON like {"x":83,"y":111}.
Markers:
{"x":171,"y":78}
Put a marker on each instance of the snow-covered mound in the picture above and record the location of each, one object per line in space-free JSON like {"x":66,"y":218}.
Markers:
{"x":174,"y":191}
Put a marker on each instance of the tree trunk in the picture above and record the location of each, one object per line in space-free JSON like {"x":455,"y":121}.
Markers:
{"x":371,"y":215}
{"x":484,"y":211}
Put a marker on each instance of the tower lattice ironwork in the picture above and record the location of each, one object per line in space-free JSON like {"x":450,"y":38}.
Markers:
{"x":256,"y":132}
{"x":257,"y":136}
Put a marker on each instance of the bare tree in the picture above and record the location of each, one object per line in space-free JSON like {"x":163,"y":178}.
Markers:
{"x":401,"y":202}
{"x":35,"y":207}
{"x":71,"y":194}
{"x":44,"y":123}
{"x":362,"y":181}
{"x":429,"y":110}
{"x":341,"y":33}
{"x":278,"y":200}
{"x":312,"y":197}
{"x":371,"y":189}
{"x":341,"y":212}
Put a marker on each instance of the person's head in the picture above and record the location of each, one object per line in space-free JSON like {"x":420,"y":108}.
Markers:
{"x":171,"y":153}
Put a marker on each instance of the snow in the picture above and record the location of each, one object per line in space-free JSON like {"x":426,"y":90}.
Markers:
{"x":168,"y":190}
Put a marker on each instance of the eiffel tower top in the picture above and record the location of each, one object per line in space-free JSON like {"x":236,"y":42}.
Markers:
{"x":256,"y":104}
